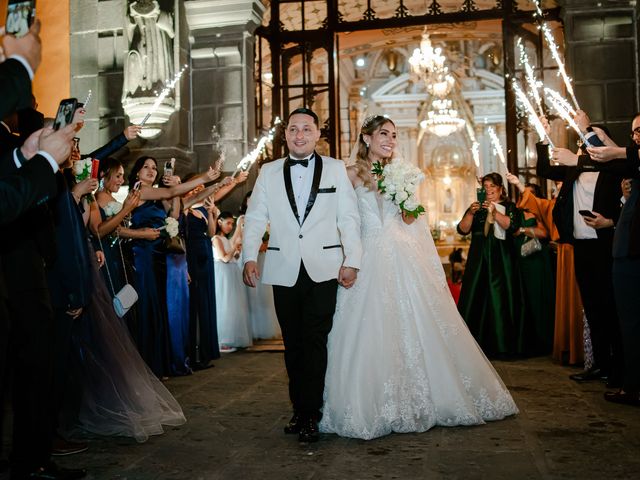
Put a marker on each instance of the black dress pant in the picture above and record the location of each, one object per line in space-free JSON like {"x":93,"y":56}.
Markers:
{"x":593,"y":266}
{"x":30,"y":357}
{"x":626,"y":280}
{"x":305,"y":313}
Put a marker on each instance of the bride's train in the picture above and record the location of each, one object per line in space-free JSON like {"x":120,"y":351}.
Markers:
{"x":401,"y":358}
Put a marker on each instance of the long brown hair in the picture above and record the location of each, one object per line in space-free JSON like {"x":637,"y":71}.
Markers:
{"x":363,"y":167}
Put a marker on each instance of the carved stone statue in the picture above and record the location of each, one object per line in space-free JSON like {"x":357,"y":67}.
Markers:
{"x":150,"y":61}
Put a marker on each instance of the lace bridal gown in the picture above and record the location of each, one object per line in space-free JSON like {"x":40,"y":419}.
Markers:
{"x":401,"y":358}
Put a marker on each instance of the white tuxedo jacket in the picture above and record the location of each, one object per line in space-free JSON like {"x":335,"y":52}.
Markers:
{"x":328,"y":236}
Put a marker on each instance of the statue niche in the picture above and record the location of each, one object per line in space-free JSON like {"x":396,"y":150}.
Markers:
{"x":149,"y":63}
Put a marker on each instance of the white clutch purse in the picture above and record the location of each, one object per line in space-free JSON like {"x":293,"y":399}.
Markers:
{"x":124,"y":300}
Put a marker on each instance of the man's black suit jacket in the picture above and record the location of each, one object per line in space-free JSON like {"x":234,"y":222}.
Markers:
{"x":15,"y":86}
{"x":606,"y":199}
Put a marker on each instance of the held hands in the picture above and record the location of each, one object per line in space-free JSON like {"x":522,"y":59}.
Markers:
{"x":408,"y":219}
{"x":132,"y":132}
{"x":210,"y":206}
{"x":251,"y":274}
{"x":171,"y":180}
{"x":241,"y":177}
{"x":78,"y":118}
{"x":100,"y":258}
{"x":564,"y":157}
{"x":211,"y":174}
{"x":598,"y":222}
{"x":547,"y":126}
{"x":491,"y":206}
{"x":347,"y":276}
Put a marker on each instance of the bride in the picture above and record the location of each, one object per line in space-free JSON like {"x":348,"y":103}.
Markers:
{"x":400,"y":357}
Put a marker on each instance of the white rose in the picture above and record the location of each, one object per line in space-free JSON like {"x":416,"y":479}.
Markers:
{"x":401,"y":196}
{"x":410,"y":205}
{"x":391,"y":188}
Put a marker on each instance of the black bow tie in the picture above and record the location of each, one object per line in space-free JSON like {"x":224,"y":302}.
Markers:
{"x":292,"y":162}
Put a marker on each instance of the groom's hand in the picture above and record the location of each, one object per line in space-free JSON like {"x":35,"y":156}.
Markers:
{"x":347,"y":276}
{"x":251,"y":274}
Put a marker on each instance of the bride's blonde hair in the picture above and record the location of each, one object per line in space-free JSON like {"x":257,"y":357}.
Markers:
{"x":361,"y":148}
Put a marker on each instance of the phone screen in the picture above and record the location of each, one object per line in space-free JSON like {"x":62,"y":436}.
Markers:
{"x":66,"y":110}
{"x":20,"y":16}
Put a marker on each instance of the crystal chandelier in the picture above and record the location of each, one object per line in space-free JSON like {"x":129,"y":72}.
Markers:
{"x":442,"y":120}
{"x":428,"y":64}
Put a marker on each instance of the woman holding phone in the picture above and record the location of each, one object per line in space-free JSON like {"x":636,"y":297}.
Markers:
{"x":491,"y":297}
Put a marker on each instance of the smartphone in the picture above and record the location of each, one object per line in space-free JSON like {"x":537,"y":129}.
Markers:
{"x":169,"y":167}
{"x":20,"y":17}
{"x":66,"y":110}
{"x":481,"y":195}
{"x":586,"y":213}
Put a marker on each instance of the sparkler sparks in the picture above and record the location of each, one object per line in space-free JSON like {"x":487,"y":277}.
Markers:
{"x":531,"y":113}
{"x":249,"y":159}
{"x":530,"y":76}
{"x":475,"y":153}
{"x":561,"y":70}
{"x":560,"y":99}
{"x":86,"y":100}
{"x":567,"y":117}
{"x":163,"y":94}
{"x":536,"y":4}
{"x":497,"y":147}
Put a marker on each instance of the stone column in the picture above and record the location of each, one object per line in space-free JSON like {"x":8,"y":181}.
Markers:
{"x":222,"y":73}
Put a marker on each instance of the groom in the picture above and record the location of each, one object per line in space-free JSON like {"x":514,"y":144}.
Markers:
{"x":314,"y":244}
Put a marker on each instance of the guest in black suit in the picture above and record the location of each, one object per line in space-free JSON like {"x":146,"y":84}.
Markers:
{"x":626,"y":256}
{"x":592,"y":239}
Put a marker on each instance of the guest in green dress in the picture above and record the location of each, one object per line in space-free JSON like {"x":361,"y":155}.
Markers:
{"x":536,"y":273}
{"x":491,"y":296}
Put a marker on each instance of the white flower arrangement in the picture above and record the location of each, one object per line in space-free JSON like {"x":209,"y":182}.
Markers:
{"x":398,"y":181}
{"x":82,"y":169}
{"x":112,"y":208}
{"x":172,"y":227}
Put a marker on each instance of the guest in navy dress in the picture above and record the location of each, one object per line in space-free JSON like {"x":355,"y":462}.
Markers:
{"x":160,"y":337}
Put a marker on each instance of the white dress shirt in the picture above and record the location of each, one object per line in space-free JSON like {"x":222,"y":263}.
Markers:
{"x":301,"y":180}
{"x":583,"y":190}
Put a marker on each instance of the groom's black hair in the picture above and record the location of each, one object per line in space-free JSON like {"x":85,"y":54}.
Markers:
{"x":306,"y":111}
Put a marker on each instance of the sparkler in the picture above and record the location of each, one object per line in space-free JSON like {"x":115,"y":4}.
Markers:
{"x":536,"y":4}
{"x":249,"y":159}
{"x":86,"y":100}
{"x":497,"y":147}
{"x":566,"y":116}
{"x":530,"y":76}
{"x":561,"y":100}
{"x":531,"y":113}
{"x":163,"y":94}
{"x":561,"y":70}
{"x":475,"y":153}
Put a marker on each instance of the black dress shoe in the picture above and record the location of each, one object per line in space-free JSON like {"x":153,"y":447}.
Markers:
{"x":589,"y":375}
{"x":293,"y":427}
{"x":309,"y":432}
{"x":624,"y":398}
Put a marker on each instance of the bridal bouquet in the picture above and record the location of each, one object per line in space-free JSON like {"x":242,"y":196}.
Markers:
{"x":112,"y":208}
{"x":398,"y":182}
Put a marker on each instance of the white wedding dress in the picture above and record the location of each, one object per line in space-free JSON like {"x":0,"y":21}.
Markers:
{"x":400,"y":357}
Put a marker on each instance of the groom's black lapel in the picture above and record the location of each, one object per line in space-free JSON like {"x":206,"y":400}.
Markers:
{"x":286,"y":171}
{"x":317,"y":174}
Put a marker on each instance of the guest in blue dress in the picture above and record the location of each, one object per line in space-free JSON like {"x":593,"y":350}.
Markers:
{"x":160,"y":333}
{"x":200,"y":224}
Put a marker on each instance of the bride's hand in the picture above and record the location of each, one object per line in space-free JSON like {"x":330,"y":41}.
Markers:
{"x":408,"y":219}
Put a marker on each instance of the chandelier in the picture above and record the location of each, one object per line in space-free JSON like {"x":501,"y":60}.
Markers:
{"x":428,"y":64}
{"x":442,"y":120}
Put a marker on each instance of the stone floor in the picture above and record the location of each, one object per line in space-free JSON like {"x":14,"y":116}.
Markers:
{"x":236,"y":412}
